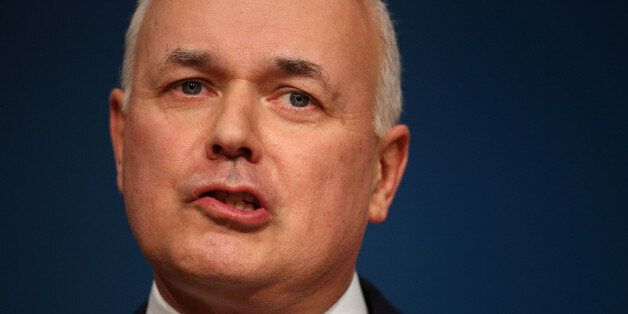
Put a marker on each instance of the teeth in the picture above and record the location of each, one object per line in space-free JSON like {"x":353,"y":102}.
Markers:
{"x":240,"y":200}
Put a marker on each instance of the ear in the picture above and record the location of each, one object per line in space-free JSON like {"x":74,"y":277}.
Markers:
{"x":393,"y":157}
{"x":116,"y":129}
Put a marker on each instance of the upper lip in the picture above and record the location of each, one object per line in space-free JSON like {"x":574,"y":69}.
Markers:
{"x":200,"y":190}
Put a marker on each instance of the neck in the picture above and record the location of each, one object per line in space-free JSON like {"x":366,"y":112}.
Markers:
{"x":317,"y":296}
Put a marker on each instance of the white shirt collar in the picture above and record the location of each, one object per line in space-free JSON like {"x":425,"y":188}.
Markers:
{"x":351,"y":302}
{"x":157,"y":304}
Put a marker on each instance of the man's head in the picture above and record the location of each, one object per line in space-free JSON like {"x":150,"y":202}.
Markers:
{"x":254,"y":141}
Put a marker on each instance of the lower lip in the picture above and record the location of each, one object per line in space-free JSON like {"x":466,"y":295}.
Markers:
{"x":217,"y":209}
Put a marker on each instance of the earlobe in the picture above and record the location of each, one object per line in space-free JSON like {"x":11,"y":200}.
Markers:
{"x":391,"y":166}
{"x":116,"y":130}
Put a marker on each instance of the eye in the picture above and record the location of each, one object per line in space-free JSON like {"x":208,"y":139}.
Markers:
{"x":298,"y":99}
{"x":296,"y":105}
{"x":191,"y":87}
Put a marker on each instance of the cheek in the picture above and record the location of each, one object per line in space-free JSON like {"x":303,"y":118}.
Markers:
{"x":329,"y":188}
{"x":347,"y":171}
{"x":146,"y":151}
{"x":158,"y":146}
{"x":155,"y":153}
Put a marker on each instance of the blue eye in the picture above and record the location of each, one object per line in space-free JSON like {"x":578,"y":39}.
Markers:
{"x":299,"y":99}
{"x":191,"y":87}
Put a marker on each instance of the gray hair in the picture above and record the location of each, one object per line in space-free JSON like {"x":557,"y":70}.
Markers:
{"x":388,"y":99}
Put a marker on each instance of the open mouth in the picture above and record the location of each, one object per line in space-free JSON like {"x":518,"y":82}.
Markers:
{"x":240,"y":200}
{"x":236,"y":207}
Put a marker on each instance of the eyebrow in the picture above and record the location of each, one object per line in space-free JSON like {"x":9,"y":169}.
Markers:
{"x":202,"y":60}
{"x":186,"y":57}
{"x":301,"y":67}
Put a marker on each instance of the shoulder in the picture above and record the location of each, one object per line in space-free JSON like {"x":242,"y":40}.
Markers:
{"x":375,"y":301}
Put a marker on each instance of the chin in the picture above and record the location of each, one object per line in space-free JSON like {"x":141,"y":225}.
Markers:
{"x":216,"y":260}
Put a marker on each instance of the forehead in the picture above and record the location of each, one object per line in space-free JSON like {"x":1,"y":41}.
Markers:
{"x":338,"y":35}
{"x":320,"y":20}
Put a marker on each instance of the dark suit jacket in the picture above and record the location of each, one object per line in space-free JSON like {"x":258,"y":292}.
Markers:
{"x":375,"y":301}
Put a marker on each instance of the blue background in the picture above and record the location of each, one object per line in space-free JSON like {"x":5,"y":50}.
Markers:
{"x":515,"y":198}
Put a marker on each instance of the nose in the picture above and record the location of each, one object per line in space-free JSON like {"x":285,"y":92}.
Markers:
{"x":234,"y":134}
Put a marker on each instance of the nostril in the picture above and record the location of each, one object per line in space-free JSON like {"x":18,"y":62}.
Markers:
{"x":246,"y":152}
{"x":216,"y":149}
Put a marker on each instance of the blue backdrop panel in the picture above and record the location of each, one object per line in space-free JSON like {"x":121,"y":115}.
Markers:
{"x":515,"y":198}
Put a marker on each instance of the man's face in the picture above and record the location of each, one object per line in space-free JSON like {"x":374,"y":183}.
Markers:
{"x":265,"y":106}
